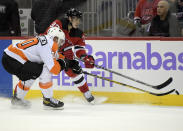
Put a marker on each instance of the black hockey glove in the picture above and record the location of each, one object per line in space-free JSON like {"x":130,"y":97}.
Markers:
{"x":64,"y":63}
{"x":72,"y":64}
{"x":76,"y":68}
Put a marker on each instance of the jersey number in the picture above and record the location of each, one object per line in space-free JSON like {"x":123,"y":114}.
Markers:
{"x":28,"y":43}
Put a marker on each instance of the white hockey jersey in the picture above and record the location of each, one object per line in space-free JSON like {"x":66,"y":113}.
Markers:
{"x":40,"y":49}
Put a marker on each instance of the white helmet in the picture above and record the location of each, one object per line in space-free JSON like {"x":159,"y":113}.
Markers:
{"x":57,"y":32}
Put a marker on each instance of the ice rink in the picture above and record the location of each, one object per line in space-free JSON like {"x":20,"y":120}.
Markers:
{"x":80,"y":116}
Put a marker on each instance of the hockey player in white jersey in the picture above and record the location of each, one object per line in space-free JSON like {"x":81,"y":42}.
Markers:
{"x":37,"y":57}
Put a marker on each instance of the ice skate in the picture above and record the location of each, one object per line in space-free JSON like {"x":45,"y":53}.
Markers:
{"x":17,"y":102}
{"x":89,"y":97}
{"x":51,"y":103}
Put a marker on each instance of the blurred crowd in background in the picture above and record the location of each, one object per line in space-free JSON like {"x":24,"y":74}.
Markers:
{"x":124,"y":18}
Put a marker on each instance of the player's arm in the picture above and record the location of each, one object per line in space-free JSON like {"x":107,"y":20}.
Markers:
{"x":56,"y":64}
{"x":49,"y":56}
{"x":80,"y":52}
{"x":48,"y":59}
{"x":138,"y":9}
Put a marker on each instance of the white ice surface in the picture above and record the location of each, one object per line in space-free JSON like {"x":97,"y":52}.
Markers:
{"x":79,"y":116}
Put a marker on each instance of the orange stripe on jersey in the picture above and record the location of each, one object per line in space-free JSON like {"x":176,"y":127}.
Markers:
{"x":56,"y":68}
{"x":55,"y":47}
{"x":17,"y":51}
{"x":28,"y":43}
{"x":21,"y":86}
{"x":45,"y":85}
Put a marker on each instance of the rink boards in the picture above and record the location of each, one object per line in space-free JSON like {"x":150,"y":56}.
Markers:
{"x":152,"y":61}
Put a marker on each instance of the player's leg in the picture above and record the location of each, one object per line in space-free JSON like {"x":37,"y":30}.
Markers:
{"x":29,"y":72}
{"x":45,"y":84}
{"x":82,"y":85}
{"x":26,"y":72}
{"x":20,"y":92}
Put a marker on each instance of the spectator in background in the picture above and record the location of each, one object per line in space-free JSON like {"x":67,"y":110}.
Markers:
{"x":44,"y":12}
{"x":180,"y":9}
{"x":179,"y":12}
{"x":172,"y":4}
{"x":9,"y":18}
{"x":145,"y":11}
{"x":164,"y":23}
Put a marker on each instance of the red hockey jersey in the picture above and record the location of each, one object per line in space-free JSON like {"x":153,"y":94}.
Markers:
{"x":74,"y":42}
{"x":146,"y":10}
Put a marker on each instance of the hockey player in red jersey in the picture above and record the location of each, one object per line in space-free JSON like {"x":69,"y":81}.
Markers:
{"x":75,"y":46}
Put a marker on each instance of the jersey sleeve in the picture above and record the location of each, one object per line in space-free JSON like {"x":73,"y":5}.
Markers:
{"x":80,"y":47}
{"x":47,"y":55}
{"x":138,"y":9}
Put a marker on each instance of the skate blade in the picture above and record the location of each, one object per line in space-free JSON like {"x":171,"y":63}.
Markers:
{"x":81,"y":100}
{"x":20,"y":107}
{"x":99,"y":100}
{"x":52,"y":108}
{"x":74,"y":99}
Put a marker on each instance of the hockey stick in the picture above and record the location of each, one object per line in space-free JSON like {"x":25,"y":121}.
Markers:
{"x":164,"y":84}
{"x":133,"y":87}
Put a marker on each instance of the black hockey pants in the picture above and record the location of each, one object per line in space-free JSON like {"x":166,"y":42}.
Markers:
{"x":28,"y":70}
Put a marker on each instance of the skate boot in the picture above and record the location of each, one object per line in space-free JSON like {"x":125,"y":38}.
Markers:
{"x":51,"y":102}
{"x":17,"y":102}
{"x":89,"y":97}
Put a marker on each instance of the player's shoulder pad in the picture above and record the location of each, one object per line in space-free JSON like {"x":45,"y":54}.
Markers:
{"x":43,"y":40}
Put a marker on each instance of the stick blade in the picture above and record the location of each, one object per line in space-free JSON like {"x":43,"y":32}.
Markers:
{"x":162,"y":94}
{"x":166,"y":83}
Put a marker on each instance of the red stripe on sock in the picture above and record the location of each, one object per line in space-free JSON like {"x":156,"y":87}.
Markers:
{"x":84,"y":88}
